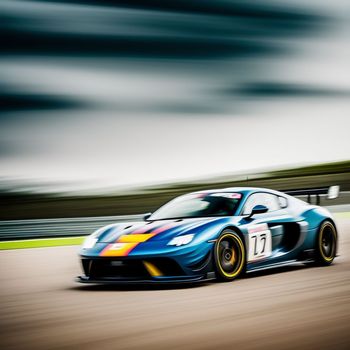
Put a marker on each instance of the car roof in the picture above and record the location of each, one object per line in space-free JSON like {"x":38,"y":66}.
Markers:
{"x":244,"y":190}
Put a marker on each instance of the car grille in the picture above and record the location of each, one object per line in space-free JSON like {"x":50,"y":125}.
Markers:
{"x":131,"y":269}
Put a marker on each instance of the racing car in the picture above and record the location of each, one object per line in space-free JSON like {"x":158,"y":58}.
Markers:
{"x":212,"y":234}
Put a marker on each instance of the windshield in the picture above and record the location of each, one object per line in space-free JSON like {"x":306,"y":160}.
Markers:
{"x":199,"y":205}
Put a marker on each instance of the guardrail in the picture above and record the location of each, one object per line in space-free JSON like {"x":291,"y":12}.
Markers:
{"x":65,"y":227}
{"x":41,"y":228}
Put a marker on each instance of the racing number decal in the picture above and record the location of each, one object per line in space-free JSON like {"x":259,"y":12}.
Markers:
{"x":259,"y":245}
{"x":259,"y":242}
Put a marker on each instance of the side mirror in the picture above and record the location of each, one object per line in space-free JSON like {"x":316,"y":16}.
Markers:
{"x":147,"y":216}
{"x":333,"y":192}
{"x":258,"y":209}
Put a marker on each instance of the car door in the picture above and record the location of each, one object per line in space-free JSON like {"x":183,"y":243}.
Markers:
{"x":273,"y":235}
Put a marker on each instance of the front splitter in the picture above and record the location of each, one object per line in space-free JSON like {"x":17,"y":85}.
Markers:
{"x":163,"y":281}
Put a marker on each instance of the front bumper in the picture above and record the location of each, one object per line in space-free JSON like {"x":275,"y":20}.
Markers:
{"x":118,"y":270}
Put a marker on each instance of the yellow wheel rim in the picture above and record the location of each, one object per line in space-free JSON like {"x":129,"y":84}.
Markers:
{"x":327,"y":242}
{"x":230,"y":255}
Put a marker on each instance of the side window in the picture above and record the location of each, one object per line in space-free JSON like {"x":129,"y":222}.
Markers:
{"x":269,"y":200}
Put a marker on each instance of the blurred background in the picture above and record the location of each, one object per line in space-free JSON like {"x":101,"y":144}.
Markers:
{"x":113,"y":107}
{"x":109,"y":108}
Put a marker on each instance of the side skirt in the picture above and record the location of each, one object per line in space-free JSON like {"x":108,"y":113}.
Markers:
{"x":272,"y":266}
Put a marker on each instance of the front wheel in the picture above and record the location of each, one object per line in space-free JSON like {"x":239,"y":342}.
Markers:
{"x":326,"y":244}
{"x":229,"y":253}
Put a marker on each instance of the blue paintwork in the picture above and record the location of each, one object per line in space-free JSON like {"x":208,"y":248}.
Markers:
{"x":306,"y":217}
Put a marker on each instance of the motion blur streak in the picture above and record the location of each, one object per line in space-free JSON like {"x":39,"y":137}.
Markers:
{"x":224,"y":29}
{"x":100,"y":96}
{"x":93,"y":91}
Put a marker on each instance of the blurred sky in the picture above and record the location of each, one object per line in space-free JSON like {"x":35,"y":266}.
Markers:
{"x":108,"y":93}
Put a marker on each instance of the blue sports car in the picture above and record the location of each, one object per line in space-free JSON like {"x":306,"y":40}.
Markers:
{"x":216,"y":234}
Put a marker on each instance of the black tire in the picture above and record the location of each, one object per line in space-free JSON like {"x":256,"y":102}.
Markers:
{"x":229,"y":255}
{"x":326,"y":244}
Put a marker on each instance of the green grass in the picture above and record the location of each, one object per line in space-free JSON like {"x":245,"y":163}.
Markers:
{"x":40,"y":243}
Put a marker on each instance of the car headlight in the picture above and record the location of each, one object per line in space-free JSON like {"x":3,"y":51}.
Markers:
{"x":90,"y":242}
{"x":181,"y":240}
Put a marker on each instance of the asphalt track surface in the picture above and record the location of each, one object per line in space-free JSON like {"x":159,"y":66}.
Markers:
{"x":298,"y":307}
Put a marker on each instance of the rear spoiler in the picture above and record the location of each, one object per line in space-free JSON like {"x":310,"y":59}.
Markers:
{"x":332,"y":192}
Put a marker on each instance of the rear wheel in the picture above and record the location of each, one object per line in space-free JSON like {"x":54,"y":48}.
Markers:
{"x":229,"y":256}
{"x":326,"y":244}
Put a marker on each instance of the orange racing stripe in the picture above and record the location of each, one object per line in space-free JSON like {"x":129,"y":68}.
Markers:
{"x":126,"y":243}
{"x":118,"y":249}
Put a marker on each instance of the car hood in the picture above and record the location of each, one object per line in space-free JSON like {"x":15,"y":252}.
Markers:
{"x":155,"y":230}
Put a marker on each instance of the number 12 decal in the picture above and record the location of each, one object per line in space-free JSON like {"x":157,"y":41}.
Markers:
{"x":259,"y":242}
